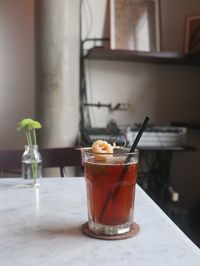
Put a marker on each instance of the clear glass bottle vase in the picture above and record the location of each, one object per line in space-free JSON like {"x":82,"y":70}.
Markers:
{"x":31,"y":165}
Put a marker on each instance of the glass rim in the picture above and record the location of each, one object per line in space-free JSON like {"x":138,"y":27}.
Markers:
{"x":126,"y":151}
{"x":30,"y":146}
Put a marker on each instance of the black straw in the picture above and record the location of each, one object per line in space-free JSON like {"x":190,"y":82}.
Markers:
{"x":139,"y":134}
{"x":125,"y":169}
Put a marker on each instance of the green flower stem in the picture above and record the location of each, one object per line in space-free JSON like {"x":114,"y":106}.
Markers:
{"x":34,"y":137}
{"x":34,"y":167}
{"x":30,"y":144}
{"x":28,"y":136}
{"x":33,"y":163}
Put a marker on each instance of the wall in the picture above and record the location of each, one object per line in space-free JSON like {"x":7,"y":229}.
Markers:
{"x":166,"y":93}
{"x":137,"y":83}
{"x":173,"y":14}
{"x":16,"y":69}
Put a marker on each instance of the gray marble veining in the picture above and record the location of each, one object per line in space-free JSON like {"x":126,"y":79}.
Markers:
{"x":43,"y":227}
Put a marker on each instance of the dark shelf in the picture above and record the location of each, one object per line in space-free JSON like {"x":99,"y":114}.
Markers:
{"x":101,"y":53}
{"x":190,"y":125}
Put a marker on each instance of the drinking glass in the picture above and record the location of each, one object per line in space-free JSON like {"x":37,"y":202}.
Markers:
{"x":110,"y":183}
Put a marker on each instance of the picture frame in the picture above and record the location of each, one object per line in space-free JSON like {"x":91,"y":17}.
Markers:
{"x":192,"y":34}
{"x":135,"y":25}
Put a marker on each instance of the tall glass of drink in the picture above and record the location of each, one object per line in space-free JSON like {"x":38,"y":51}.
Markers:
{"x":110,"y":182}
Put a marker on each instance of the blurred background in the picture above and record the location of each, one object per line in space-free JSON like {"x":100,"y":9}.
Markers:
{"x":40,"y":51}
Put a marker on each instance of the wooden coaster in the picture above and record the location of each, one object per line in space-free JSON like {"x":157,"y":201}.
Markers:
{"x":133,"y":232}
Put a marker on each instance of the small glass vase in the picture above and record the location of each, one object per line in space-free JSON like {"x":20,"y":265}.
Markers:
{"x":31,"y":166}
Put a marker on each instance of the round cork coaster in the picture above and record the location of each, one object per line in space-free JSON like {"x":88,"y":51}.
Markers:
{"x":135,"y":228}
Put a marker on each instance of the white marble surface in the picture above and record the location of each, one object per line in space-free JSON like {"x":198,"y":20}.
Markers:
{"x":42,"y":227}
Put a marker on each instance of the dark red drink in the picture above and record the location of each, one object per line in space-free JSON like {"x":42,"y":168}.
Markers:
{"x":110,"y":191}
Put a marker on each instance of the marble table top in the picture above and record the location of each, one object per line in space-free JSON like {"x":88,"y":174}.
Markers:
{"x":43,"y":227}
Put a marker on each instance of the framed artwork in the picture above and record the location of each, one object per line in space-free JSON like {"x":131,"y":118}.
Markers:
{"x":192,"y":34}
{"x":135,"y":25}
